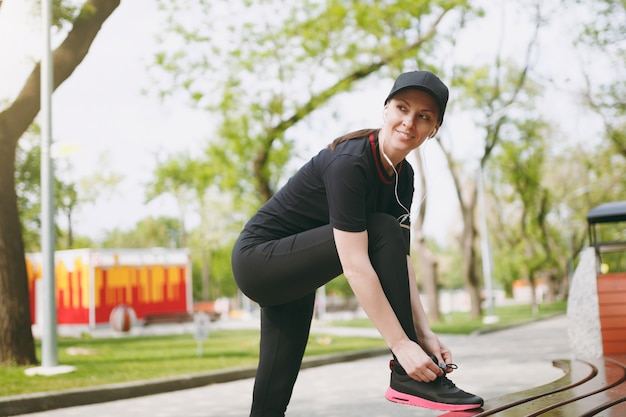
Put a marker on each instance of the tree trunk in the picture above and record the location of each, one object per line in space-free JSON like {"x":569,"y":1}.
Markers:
{"x":534,"y":305}
{"x":468,"y":235}
{"x":428,"y":266}
{"x":206,"y":274}
{"x":16,"y":341}
{"x":468,"y":246}
{"x":16,"y":338}
{"x":427,"y":260}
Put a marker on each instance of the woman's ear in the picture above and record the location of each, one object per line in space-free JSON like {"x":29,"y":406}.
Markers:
{"x":434,"y":132}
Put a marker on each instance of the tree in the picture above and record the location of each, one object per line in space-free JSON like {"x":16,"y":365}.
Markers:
{"x":308,"y":54}
{"x":428,"y":263}
{"x":16,"y":340}
{"x":597,"y":176}
{"x":603,"y":40}
{"x":491,"y":91}
{"x":28,"y":188}
{"x":526,"y":245}
{"x":192,"y":182}
{"x":148,"y":233}
{"x":302,"y":69}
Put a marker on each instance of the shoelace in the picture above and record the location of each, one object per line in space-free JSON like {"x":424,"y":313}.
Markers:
{"x":444,"y":367}
{"x":443,"y":379}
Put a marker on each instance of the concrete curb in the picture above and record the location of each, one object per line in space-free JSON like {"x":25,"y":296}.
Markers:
{"x":43,"y":401}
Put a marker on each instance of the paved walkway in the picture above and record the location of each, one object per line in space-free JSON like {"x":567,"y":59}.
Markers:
{"x":489,"y":365}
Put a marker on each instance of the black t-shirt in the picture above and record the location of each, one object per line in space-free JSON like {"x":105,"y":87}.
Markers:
{"x":338,"y":187}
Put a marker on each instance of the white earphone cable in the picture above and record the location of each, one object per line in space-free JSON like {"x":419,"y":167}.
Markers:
{"x":406,"y":216}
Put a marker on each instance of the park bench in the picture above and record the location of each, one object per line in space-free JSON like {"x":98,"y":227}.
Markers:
{"x":589,"y":387}
{"x":206,"y":307}
{"x":164,"y":318}
{"x":594,"y":383}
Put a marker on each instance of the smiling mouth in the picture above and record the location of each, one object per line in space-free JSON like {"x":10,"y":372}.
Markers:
{"x":405,"y":135}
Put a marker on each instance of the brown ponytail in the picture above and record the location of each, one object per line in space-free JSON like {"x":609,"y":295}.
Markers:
{"x":352,"y":135}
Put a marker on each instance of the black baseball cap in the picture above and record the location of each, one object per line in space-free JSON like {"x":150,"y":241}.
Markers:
{"x":426,"y":81}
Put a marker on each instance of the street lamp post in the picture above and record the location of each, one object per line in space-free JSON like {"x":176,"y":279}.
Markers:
{"x":486,"y":251}
{"x":49,"y":336}
{"x":49,"y":354}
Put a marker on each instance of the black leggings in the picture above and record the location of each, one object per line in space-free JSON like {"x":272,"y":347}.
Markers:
{"x":283,"y":275}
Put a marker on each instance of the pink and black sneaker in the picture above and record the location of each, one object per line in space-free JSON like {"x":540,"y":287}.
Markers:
{"x":440,"y":394}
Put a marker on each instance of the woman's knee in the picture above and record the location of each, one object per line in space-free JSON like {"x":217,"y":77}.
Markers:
{"x":383,"y":224}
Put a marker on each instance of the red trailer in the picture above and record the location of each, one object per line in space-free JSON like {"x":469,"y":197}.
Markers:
{"x":90,"y":283}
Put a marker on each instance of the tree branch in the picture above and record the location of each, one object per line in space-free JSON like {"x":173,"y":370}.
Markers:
{"x":346,"y":82}
{"x":65,"y":59}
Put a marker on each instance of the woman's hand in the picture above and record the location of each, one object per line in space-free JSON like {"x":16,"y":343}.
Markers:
{"x":415,"y":361}
{"x":431,"y":343}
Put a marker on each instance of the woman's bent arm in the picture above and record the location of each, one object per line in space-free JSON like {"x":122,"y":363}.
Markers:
{"x":427,"y":338}
{"x":353,"y":254}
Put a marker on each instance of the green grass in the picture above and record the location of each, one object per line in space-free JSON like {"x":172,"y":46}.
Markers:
{"x":462,"y":323}
{"x":101,"y":361}
{"x":112,"y":360}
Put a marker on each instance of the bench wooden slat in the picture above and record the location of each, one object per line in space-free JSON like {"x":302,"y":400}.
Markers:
{"x":596,"y":386}
{"x":616,"y":410}
{"x":608,"y":375}
{"x":608,"y":402}
{"x":166,"y":318}
{"x":576,"y":373}
{"x":590,"y":405}
{"x":619,"y":358}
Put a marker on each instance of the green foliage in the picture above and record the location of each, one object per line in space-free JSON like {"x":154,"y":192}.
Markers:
{"x":340,"y":286}
{"x":450,"y":262}
{"x":449,"y":266}
{"x":221,"y":281}
{"x":28,"y":189}
{"x":541,"y":194}
{"x":179,"y":175}
{"x":63,"y":12}
{"x":268,"y":75}
{"x":199,"y":187}
{"x":148,"y":233}
{"x":303,"y":70}
{"x":603,"y":38}
{"x":604,"y":26}
{"x":524,"y":242}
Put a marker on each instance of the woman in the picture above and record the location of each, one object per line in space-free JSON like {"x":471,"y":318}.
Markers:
{"x":348,"y":211}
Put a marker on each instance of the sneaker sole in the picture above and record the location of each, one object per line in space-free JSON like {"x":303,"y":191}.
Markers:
{"x":402,"y":398}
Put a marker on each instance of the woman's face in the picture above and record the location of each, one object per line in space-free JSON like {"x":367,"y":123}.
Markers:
{"x":410,"y":118}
